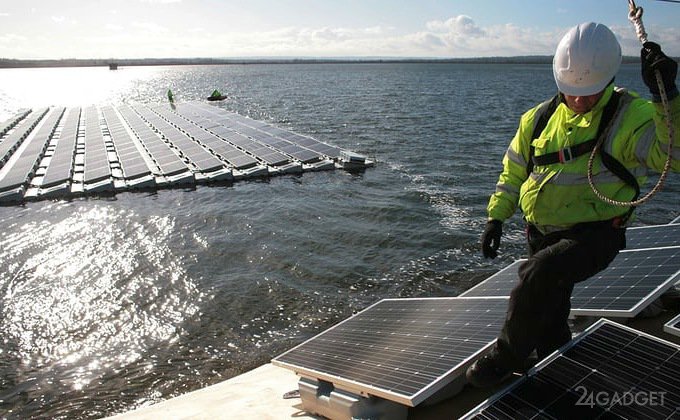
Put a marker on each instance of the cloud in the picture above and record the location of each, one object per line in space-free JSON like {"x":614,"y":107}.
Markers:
{"x":458,"y":36}
{"x":667,"y":37}
{"x":461,"y":25}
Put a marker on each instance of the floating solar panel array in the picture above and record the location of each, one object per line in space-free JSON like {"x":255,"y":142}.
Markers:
{"x":609,"y":372}
{"x":637,"y":276}
{"x":402,"y":350}
{"x":57,"y":152}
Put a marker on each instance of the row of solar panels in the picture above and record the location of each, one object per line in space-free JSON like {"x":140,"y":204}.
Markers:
{"x":59,"y":151}
{"x":405,"y":350}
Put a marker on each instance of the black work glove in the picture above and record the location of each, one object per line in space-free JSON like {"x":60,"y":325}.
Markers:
{"x":653,"y":59}
{"x":491,"y":238}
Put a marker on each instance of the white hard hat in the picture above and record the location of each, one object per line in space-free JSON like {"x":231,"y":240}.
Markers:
{"x":586,"y":60}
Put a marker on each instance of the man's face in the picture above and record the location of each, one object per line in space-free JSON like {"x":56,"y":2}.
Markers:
{"x":582,"y":104}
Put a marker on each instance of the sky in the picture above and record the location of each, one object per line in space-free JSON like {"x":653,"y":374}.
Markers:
{"x":55,"y":29}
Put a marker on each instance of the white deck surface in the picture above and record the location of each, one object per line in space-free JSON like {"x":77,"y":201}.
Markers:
{"x":257,"y":394}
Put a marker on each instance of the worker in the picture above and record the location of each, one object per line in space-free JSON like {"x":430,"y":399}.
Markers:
{"x":571,"y":233}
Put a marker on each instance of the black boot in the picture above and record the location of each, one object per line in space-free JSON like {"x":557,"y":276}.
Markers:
{"x":488,"y":371}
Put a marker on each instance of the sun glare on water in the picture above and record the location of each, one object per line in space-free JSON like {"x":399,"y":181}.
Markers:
{"x":66,"y":86}
{"x":91,"y":293}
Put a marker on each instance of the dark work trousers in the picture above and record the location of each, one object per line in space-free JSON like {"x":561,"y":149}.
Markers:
{"x":539,"y":306}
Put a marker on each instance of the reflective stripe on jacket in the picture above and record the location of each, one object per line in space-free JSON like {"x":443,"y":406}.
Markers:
{"x":558,"y":194}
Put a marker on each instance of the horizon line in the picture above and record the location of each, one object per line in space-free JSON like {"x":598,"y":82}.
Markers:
{"x":149,"y":61}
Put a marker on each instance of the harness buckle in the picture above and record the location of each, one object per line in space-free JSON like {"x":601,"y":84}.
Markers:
{"x":564,"y":155}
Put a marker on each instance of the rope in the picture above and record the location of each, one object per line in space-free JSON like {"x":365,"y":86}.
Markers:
{"x":635,"y":16}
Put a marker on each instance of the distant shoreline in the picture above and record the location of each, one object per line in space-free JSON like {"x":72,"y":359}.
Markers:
{"x":13,"y":63}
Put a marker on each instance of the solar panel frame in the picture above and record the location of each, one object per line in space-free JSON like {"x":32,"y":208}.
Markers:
{"x":673,"y":326}
{"x":606,"y":360}
{"x":419,"y":351}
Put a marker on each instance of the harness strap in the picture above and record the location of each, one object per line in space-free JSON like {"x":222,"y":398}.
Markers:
{"x":565,"y":155}
{"x":622,"y":172}
{"x":540,"y":126}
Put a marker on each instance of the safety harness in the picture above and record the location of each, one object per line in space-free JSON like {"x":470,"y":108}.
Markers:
{"x":570,"y":153}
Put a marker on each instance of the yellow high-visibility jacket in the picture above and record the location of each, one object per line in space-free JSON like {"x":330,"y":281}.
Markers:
{"x":558,"y":196}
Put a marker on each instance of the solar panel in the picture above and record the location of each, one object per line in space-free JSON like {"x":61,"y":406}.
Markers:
{"x":499,"y":284}
{"x":273,"y":158}
{"x":60,"y":167}
{"x":631,"y":282}
{"x":251,"y":135}
{"x":306,"y":156}
{"x":14,"y":139}
{"x":673,"y":326}
{"x":135,"y":169}
{"x":242,"y":161}
{"x":402,"y":350}
{"x":7,"y":125}
{"x":653,"y":236}
{"x":30,"y":156}
{"x":168,"y":162}
{"x":202,"y":159}
{"x":173,"y":168}
{"x":130,"y":158}
{"x":609,"y":371}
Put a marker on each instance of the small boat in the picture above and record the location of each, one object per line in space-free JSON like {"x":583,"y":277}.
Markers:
{"x":216,"y":96}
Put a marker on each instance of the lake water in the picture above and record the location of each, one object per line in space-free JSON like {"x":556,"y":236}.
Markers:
{"x":109,"y":304}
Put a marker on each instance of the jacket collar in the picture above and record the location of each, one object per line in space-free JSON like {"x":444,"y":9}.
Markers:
{"x":585,"y":120}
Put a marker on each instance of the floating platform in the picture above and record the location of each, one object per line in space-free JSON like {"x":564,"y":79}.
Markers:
{"x":60,"y":152}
